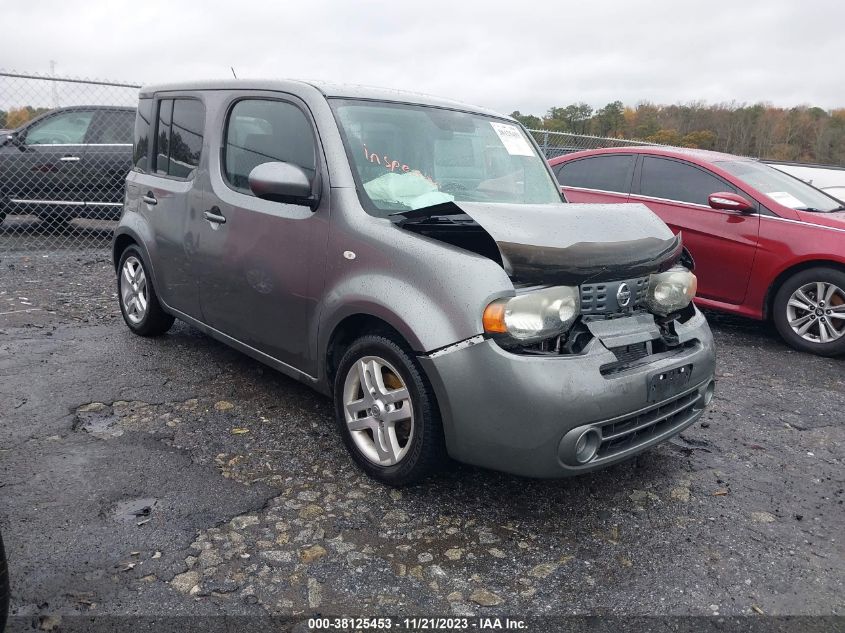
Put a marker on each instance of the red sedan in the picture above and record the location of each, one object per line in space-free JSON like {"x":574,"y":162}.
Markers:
{"x":765,"y":245}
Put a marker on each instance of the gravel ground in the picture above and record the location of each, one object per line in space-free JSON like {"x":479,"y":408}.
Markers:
{"x":177,"y":476}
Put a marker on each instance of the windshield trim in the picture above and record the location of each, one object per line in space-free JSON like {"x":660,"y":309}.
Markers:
{"x":366,"y":202}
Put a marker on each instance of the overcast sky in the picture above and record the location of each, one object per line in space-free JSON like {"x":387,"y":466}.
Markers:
{"x":516,"y":55}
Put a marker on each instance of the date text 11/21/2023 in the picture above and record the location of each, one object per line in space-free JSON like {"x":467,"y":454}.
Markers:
{"x":417,"y":624}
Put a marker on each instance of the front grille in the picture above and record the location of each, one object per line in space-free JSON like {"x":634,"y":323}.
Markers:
{"x":599,"y":299}
{"x":631,"y":431}
{"x":629,"y":354}
{"x":639,"y":354}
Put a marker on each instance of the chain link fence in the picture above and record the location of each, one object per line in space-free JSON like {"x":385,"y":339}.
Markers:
{"x":554,"y":144}
{"x":65,"y":149}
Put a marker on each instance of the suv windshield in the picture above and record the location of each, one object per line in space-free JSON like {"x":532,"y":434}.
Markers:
{"x":410,"y":157}
{"x":780,"y":187}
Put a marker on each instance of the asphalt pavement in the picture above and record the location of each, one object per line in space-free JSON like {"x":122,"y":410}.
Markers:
{"x":176,"y":476}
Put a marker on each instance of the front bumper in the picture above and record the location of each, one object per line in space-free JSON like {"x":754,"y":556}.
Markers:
{"x":525,"y":414}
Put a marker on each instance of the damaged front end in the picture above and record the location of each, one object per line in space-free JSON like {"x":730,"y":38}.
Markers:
{"x":577,"y":271}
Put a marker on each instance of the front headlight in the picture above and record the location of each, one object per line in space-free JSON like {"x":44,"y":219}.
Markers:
{"x":534,"y":316}
{"x":670,"y":291}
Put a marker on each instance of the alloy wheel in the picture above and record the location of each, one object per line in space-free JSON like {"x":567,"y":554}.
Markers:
{"x":378,"y":410}
{"x":816,"y":312}
{"x":133,"y":290}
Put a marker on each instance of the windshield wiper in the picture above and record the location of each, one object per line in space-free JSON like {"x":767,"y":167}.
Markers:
{"x":814,"y":210}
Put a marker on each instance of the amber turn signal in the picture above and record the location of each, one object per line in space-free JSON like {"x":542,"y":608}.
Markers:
{"x":494,"y":318}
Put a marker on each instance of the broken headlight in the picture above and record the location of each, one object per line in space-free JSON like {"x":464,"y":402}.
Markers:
{"x":670,"y":291}
{"x":534,"y":316}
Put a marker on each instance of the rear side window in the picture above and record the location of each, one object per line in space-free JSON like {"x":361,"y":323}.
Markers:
{"x":112,"y":127}
{"x":180,"y":128}
{"x":673,"y":180}
{"x":141,"y":144}
{"x":261,"y":131}
{"x":605,"y":173}
{"x":186,"y":137}
{"x":162,"y":153}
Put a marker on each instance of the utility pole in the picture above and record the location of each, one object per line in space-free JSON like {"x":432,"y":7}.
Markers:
{"x":55,"y":86}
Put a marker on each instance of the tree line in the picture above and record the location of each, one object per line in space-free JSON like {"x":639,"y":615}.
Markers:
{"x":802,"y":134}
{"x":15,"y":117}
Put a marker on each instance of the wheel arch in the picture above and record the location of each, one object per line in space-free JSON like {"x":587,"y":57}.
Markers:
{"x":768,"y":303}
{"x":121,"y":242}
{"x":347,"y":330}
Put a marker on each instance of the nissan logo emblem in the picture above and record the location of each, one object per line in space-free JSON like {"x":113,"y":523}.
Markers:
{"x":623,"y":295}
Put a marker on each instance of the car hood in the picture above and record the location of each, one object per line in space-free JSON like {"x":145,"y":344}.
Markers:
{"x":559,"y":243}
{"x":835,"y":220}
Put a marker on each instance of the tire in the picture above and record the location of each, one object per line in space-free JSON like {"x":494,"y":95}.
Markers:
{"x":144,"y":320}
{"x":4,"y":587}
{"x":418,"y":449}
{"x":824,"y":335}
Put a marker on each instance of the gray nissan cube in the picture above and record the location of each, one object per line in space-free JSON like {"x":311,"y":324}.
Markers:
{"x":413,"y":258}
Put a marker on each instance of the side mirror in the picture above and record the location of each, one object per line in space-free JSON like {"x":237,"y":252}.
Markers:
{"x":727,"y":201}
{"x":12,"y":138}
{"x":283,"y":182}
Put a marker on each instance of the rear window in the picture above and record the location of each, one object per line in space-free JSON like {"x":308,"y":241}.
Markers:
{"x":674,"y":180}
{"x":179,"y":135}
{"x":605,"y":173}
{"x":141,"y":142}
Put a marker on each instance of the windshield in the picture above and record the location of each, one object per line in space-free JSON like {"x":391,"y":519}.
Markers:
{"x":409,"y":157}
{"x":780,"y":187}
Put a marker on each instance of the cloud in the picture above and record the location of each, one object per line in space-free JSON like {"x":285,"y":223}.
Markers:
{"x":527,"y":56}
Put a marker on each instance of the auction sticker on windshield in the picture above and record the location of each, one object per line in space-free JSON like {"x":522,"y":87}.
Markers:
{"x":786,"y":199}
{"x":513,"y":139}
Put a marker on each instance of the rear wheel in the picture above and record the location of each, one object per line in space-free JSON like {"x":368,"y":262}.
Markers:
{"x":139,"y":303}
{"x":809,"y":311}
{"x":387,"y":413}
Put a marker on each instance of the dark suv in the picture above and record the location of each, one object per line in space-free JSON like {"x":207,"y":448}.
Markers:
{"x":67,"y":163}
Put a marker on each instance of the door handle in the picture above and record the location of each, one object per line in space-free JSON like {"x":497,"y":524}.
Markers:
{"x":69,"y":159}
{"x":213,"y":215}
{"x":149,"y":198}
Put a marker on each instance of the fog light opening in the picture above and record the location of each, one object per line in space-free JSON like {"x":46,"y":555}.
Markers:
{"x":709,"y":391}
{"x":587,"y":445}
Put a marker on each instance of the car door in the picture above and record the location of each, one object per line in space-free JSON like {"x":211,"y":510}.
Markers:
{"x":723,"y":244}
{"x":44,"y":165}
{"x":603,"y":178}
{"x":261,"y":261}
{"x":107,"y":160}
{"x":168,"y":195}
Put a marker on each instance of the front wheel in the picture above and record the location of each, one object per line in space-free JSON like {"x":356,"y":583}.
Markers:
{"x":809,"y":311}
{"x":387,"y":413}
{"x":139,"y":303}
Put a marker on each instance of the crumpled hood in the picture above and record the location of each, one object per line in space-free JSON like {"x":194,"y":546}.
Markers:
{"x":568,"y":243}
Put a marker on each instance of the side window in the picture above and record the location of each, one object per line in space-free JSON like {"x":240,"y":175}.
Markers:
{"x":65,"y":128}
{"x":261,"y":131}
{"x":605,"y":173}
{"x":112,"y":127}
{"x":186,"y":137}
{"x":673,"y":180}
{"x":162,"y":151}
{"x":181,"y":124}
{"x":141,"y":150}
